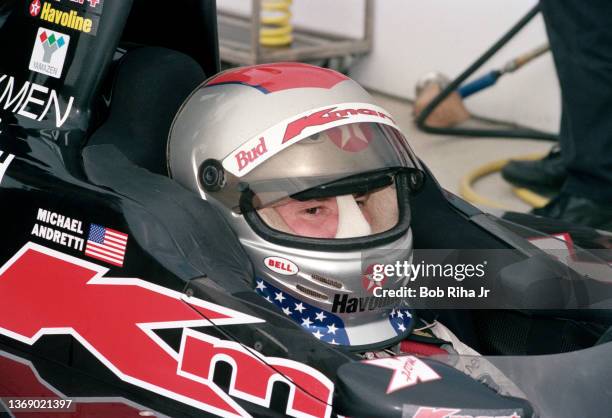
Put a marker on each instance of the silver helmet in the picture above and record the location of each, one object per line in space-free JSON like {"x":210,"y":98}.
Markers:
{"x":315,"y":179}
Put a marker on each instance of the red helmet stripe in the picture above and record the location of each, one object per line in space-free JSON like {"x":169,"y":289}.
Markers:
{"x":270,"y":78}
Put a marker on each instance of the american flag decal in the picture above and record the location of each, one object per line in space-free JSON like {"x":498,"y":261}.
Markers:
{"x":401,"y":320}
{"x":106,"y":244}
{"x":322,"y":324}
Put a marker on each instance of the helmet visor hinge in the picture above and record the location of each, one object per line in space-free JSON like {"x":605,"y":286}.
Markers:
{"x":212,"y":175}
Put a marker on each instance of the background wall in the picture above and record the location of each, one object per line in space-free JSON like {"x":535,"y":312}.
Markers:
{"x":414,"y":37}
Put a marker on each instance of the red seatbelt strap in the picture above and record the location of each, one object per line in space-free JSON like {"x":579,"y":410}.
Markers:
{"x":421,"y":349}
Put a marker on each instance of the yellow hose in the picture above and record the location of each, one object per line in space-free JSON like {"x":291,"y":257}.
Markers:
{"x":531,"y":198}
{"x":469,"y":194}
{"x":276,"y":23}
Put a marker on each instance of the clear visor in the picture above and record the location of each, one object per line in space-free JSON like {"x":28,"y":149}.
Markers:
{"x":343,"y":216}
{"x":326,"y":158}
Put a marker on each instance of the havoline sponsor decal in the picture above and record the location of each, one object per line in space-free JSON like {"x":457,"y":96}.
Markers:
{"x":62,"y":16}
{"x":346,"y":304}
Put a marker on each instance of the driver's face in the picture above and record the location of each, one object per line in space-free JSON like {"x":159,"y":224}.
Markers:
{"x":316,"y":218}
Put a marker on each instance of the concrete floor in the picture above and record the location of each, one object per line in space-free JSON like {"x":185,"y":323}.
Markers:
{"x":451,"y":158}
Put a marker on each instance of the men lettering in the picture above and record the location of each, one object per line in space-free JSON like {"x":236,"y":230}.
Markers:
{"x":32,"y":101}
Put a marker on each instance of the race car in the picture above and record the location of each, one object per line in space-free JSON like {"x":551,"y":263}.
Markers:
{"x":125,"y":294}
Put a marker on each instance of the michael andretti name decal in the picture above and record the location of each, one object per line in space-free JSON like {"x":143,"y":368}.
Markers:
{"x":47,"y":292}
{"x":59,"y":229}
{"x":260,"y":148}
{"x":101,"y":243}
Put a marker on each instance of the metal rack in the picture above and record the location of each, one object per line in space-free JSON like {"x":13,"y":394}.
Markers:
{"x":239,"y":40}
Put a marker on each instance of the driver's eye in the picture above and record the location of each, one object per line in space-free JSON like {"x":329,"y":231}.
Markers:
{"x":312,"y":211}
{"x":360,"y":198}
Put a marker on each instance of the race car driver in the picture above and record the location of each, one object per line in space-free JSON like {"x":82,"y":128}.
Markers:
{"x":315,"y":180}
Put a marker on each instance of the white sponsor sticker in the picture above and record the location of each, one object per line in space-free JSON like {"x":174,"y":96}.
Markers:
{"x":261,"y":147}
{"x":407,"y":371}
{"x":49,"y":52}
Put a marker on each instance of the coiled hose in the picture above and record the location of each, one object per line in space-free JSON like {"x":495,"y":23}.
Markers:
{"x":467,"y":191}
{"x":276,"y":29}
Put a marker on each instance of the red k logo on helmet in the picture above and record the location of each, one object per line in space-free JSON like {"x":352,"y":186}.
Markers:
{"x":48,"y":292}
{"x":330,"y":115}
{"x":322,"y":117}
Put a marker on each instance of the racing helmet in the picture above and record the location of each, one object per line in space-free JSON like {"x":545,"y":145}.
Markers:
{"x":315,"y":180}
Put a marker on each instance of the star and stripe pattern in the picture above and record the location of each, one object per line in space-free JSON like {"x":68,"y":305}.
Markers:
{"x":106,"y":244}
{"x":401,"y":320}
{"x":322,"y":324}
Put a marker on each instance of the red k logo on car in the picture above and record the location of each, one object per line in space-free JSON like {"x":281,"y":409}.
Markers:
{"x":101,"y":311}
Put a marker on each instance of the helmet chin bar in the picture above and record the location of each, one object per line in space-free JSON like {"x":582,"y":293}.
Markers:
{"x":331,"y":290}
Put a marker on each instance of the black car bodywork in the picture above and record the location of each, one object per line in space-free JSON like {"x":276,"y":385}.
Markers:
{"x":172,"y":327}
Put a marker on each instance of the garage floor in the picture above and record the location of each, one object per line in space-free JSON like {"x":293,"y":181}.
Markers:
{"x":451,"y":158}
